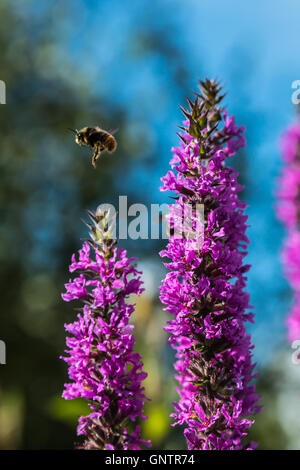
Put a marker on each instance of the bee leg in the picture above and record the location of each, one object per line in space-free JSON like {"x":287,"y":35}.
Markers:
{"x":96,"y":155}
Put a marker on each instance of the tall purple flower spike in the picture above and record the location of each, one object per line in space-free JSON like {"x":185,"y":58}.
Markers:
{"x":288,"y":210}
{"x":205,"y":287}
{"x":103,"y":367}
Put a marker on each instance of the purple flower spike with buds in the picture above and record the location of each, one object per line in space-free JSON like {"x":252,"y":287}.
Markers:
{"x":205,"y":287}
{"x":103,"y":367}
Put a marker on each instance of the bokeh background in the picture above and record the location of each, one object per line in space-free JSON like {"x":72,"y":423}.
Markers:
{"x":129,"y":64}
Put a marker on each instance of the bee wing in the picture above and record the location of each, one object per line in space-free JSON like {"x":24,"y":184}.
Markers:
{"x":113,"y":131}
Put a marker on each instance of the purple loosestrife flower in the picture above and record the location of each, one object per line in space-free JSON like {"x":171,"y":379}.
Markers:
{"x":205,"y":287}
{"x":103,"y":367}
{"x":288,"y":210}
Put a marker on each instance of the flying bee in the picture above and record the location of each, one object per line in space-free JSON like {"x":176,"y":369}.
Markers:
{"x":97,"y":139}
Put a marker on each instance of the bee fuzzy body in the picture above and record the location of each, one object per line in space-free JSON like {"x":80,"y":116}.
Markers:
{"x":110,"y":143}
{"x":98,"y":139}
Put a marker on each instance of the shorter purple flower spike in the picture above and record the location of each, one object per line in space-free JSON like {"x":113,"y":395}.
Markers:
{"x":103,"y":367}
